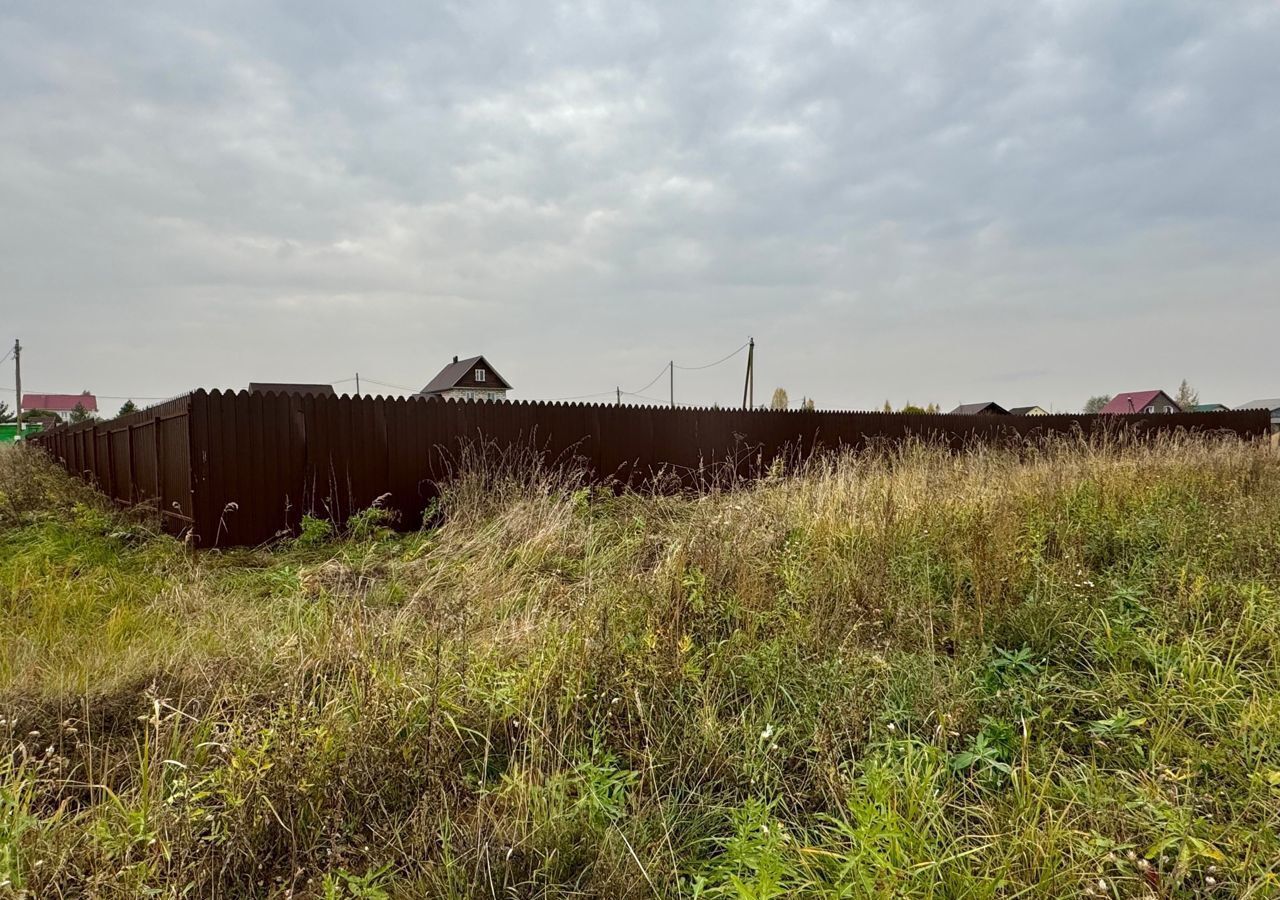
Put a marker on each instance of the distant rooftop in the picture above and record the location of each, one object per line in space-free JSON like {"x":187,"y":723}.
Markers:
{"x":1267,"y":403}
{"x":309,"y":390}
{"x":1133,"y":402}
{"x":60,"y":402}
{"x":990,"y":407}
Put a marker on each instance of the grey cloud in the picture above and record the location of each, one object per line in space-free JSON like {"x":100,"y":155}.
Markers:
{"x":898,"y":199}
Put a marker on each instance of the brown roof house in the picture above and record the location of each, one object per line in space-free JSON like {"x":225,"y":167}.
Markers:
{"x":990,"y":408}
{"x":467,"y":379}
{"x":1028,"y":411}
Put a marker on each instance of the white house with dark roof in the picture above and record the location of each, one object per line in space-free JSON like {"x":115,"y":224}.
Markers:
{"x":467,"y":379}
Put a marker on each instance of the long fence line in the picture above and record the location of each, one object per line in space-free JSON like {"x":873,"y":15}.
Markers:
{"x":226,"y":468}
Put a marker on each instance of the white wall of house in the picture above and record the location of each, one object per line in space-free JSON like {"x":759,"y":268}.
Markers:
{"x":474,"y":394}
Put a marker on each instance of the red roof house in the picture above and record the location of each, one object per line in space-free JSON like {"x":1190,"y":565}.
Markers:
{"x":62,"y":404}
{"x":1140,"y":402}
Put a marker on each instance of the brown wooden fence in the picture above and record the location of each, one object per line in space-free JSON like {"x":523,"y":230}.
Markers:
{"x":236,"y":468}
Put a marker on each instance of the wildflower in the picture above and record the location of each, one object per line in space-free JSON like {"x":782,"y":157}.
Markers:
{"x":767,"y":733}
{"x":1102,"y":885}
{"x":892,"y":727}
{"x":1210,"y":880}
{"x":1131,"y":856}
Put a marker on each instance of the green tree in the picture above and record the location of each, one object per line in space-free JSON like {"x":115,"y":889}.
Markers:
{"x":80,"y":414}
{"x":779,"y":400}
{"x":128,"y":407}
{"x":30,"y":415}
{"x":888,"y":407}
{"x":806,"y":403}
{"x":1094,"y":404}
{"x":912,"y":408}
{"x":1187,"y":396}
{"x":6,"y":414}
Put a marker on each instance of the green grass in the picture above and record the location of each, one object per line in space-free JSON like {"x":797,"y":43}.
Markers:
{"x":908,"y":674}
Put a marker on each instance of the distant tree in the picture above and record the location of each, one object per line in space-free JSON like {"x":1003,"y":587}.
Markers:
{"x":128,"y":407}
{"x":6,"y":415}
{"x":80,"y":414}
{"x":1187,"y":396}
{"x":912,"y":408}
{"x":30,"y":415}
{"x":933,"y":409}
{"x":779,"y":400}
{"x":888,"y":407}
{"x":806,"y":403}
{"x":1094,"y":404}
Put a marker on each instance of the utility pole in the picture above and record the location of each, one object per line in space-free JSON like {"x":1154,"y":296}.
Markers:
{"x":671,"y":366}
{"x":619,"y":390}
{"x":17,"y":381}
{"x":357,"y":384}
{"x":749,"y":384}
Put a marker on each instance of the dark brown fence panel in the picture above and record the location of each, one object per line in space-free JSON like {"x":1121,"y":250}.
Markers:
{"x":140,"y":459}
{"x":236,"y":469}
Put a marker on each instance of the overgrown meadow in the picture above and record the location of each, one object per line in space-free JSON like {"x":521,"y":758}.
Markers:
{"x":909,"y":673}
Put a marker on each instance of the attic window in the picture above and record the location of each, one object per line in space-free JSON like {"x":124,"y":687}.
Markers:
{"x":479,"y":374}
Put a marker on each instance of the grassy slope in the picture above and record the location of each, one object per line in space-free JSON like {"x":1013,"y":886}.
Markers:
{"x":927,"y":676}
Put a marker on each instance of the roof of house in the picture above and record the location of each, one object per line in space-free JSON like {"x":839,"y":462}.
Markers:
{"x":1268,"y":403}
{"x":1023,"y":410}
{"x":1208,"y":407}
{"x":311,"y":390}
{"x":1133,"y":401}
{"x":973,"y":409}
{"x":457,"y":371}
{"x":60,"y":402}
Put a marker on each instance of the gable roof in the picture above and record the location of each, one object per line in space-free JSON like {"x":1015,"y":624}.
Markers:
{"x":1024,"y":410}
{"x":309,"y":390}
{"x":60,"y":402}
{"x":1208,"y":407}
{"x":1134,"y":402}
{"x":457,"y":371}
{"x":973,"y":409}
{"x":1272,"y":403}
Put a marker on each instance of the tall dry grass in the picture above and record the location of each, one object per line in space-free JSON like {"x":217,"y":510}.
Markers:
{"x":1046,"y":671}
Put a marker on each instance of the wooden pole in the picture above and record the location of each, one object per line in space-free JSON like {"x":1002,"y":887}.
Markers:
{"x":17,"y":381}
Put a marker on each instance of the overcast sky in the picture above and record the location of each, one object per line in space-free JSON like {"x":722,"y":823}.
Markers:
{"x":1018,"y":201}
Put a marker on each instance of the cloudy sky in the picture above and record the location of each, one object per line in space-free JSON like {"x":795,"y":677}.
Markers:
{"x":1023,"y":201}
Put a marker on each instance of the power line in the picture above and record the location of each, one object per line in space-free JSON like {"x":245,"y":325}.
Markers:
{"x":398,"y":387}
{"x":716,"y":363}
{"x":96,"y":396}
{"x":579,"y":397}
{"x":666,"y":369}
{"x":661,"y":372}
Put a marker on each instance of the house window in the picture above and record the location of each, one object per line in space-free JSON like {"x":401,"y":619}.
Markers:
{"x":479,"y":374}
{"x":1150,"y":409}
